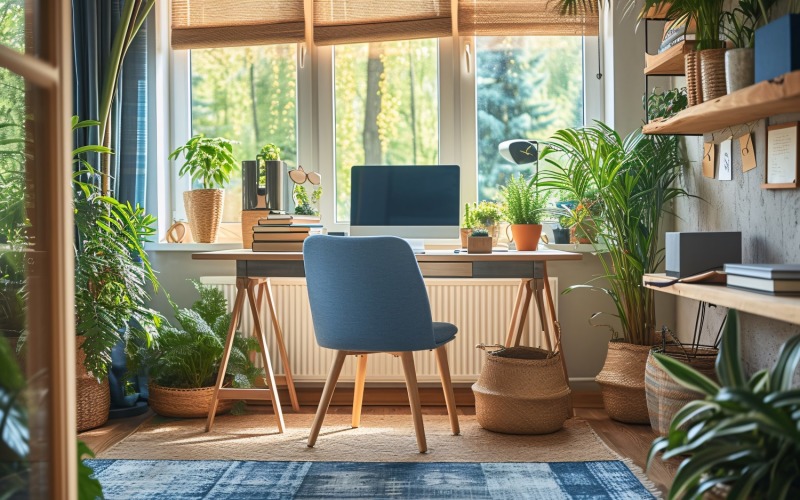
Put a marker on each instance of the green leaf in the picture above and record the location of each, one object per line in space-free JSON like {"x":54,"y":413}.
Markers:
{"x":89,"y":487}
{"x":687,"y":376}
{"x":701,"y":463}
{"x":786,"y":365}
{"x":729,"y":367}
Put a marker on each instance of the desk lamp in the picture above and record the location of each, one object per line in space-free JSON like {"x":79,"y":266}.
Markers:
{"x":520,"y":151}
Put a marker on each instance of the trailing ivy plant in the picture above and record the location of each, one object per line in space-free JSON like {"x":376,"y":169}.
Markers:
{"x":745,"y":433}
{"x":661,"y":104}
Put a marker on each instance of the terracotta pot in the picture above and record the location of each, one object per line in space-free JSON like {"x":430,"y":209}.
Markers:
{"x":526,"y":236}
{"x":204,"y":211}
{"x":465,"y":232}
{"x":93,"y":397}
{"x":622,"y":382}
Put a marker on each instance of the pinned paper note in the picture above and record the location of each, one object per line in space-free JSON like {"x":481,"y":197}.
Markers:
{"x":748,"y":152}
{"x":726,"y":160}
{"x":708,"y":160}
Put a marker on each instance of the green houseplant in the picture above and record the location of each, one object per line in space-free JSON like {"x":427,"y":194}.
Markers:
{"x":305,"y":204}
{"x":183,"y":362}
{"x":209,"y":161}
{"x":484,"y":215}
{"x":632,"y":180}
{"x":524,"y":207}
{"x":744,"y":434}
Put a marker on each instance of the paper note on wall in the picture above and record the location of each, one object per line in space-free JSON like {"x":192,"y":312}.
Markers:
{"x":708,"y":160}
{"x":725,"y":160}
{"x":748,"y":149}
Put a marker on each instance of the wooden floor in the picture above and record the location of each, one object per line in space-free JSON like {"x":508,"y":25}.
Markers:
{"x":629,"y":441}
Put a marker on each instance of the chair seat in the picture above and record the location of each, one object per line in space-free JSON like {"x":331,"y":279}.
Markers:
{"x":443,"y":332}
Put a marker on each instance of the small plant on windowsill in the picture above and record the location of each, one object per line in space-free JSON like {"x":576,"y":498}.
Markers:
{"x":305,"y":204}
{"x":479,"y":241}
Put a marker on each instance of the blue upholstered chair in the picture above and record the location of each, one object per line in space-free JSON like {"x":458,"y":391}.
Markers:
{"x":367,"y":296}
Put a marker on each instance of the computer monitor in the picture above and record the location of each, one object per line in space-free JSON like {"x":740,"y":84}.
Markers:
{"x":409,"y":201}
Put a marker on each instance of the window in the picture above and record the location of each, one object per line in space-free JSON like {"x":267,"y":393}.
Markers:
{"x":386,"y":108}
{"x":527,"y":88}
{"x":246,"y":94}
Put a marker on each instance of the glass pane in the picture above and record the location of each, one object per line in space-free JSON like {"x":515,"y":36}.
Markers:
{"x":387,"y":108}
{"x":527,"y":88}
{"x":247,"y":94}
{"x":12,"y":24}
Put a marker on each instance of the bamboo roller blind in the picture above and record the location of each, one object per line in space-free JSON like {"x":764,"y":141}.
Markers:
{"x":221,"y":23}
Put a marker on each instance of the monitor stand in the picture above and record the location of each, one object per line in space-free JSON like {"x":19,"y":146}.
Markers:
{"x":417,"y":245}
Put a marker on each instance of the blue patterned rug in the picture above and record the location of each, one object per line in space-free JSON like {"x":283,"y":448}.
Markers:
{"x":181,"y":479}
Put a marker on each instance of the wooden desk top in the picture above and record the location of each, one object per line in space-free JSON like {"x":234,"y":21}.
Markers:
{"x":428,"y":256}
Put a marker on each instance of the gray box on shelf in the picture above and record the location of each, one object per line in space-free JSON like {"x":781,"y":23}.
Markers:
{"x":688,"y":254}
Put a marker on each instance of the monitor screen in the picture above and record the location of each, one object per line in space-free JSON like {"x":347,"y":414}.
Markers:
{"x":419,"y":201}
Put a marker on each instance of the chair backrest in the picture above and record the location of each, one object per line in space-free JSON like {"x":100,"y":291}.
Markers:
{"x":367,"y":294}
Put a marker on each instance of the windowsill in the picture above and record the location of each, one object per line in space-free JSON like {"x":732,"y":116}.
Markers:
{"x":190,"y":247}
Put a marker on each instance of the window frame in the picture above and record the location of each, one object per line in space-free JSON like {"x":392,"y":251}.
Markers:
{"x":316,"y":114}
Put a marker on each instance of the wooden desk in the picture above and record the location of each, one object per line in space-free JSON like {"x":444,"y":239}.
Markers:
{"x":253,"y":270}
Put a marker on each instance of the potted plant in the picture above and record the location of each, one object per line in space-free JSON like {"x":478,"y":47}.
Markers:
{"x":743,"y":434}
{"x":739,"y":29}
{"x":524,"y":206}
{"x":209,"y":161}
{"x":562,"y":229}
{"x":305,"y":204}
{"x":633,"y":181}
{"x":183,"y":362}
{"x":488,"y":215}
{"x":468,"y":224}
{"x":112,"y":275}
{"x":479,"y":241}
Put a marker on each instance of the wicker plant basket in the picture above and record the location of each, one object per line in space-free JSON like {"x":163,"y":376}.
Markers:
{"x":694,"y":87}
{"x":204,"y":210}
{"x":93,"y":397}
{"x":522,"y":390}
{"x":622,"y":382}
{"x":712,"y":68}
{"x":184,"y":403}
{"x":250,"y":219}
{"x":665,"y":396}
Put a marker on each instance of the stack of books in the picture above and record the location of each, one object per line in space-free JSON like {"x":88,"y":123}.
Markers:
{"x":775,"y":279}
{"x":284,"y":232}
{"x":675,"y":33}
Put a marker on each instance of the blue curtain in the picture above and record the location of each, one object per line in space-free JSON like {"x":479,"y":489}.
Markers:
{"x":93,"y":25}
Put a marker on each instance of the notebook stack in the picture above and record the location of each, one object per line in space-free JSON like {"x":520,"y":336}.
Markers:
{"x":284,"y":232}
{"x":775,"y":279}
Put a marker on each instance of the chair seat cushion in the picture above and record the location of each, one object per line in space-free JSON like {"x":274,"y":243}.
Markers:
{"x":443,"y":332}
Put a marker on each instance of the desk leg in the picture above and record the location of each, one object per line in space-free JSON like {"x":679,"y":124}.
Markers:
{"x":241,"y":283}
{"x":544,"y":294}
{"x":287,"y":368}
{"x":523,"y":303}
{"x":273,"y":387}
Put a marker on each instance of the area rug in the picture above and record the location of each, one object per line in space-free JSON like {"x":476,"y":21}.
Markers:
{"x":381,"y":438}
{"x":173,"y":479}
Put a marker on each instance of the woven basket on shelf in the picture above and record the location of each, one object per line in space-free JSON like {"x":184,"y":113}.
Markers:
{"x":665,"y":396}
{"x":622,"y":382}
{"x":204,"y":210}
{"x":694,"y":87}
{"x":184,"y":403}
{"x":250,"y":219}
{"x":93,"y":397}
{"x":712,"y":69}
{"x":522,"y":390}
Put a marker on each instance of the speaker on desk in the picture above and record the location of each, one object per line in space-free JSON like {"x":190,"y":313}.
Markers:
{"x":688,"y":254}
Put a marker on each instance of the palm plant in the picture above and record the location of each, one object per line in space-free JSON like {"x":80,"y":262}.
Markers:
{"x":633,"y":179}
{"x":744,"y":434}
{"x":189,"y":357}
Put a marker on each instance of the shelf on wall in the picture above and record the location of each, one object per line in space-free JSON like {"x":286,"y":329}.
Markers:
{"x":669,"y":62}
{"x":762,"y":100}
{"x":656,"y":14}
{"x":780,"y":307}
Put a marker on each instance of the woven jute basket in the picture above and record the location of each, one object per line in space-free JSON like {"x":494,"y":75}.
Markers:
{"x":204,"y":210}
{"x":622,"y":382}
{"x":184,"y":403}
{"x":694,"y":87}
{"x":665,"y":396}
{"x":250,"y":219}
{"x":93,"y":397}
{"x":712,"y":68}
{"x":522,"y":390}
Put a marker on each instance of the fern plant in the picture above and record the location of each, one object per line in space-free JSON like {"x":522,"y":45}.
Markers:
{"x":189,"y":357}
{"x":524,"y":204}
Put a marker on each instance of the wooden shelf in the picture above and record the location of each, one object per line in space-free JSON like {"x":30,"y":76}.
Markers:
{"x":764,"y":99}
{"x":783,"y":308}
{"x":669,"y":62}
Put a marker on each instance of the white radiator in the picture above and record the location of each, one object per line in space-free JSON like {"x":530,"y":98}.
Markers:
{"x":481,"y":308}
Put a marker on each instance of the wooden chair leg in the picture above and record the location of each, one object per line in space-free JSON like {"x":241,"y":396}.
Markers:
{"x":327,"y":394}
{"x":447,"y":387}
{"x":358,"y":391}
{"x":410,"y":373}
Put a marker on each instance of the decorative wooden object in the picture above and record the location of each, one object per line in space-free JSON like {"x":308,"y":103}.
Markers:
{"x":670,"y":62}
{"x":782,"y":159}
{"x":758,"y":101}
{"x":479,"y":244}
{"x":180,"y":232}
{"x":250,"y":219}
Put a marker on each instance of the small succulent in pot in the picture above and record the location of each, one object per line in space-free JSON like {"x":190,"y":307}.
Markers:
{"x":479,"y":233}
